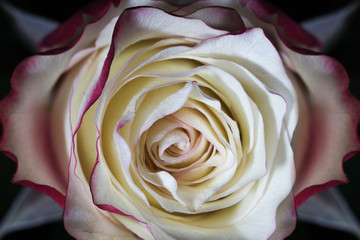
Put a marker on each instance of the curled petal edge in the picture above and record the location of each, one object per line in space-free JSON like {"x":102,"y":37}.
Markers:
{"x":68,"y":33}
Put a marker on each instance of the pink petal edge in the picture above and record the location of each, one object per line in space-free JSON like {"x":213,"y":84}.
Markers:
{"x":352,"y":107}
{"x":50,"y":191}
{"x":302,"y":39}
{"x":69,"y":32}
{"x":112,"y":209}
{"x":301,"y":197}
{"x":47,"y":190}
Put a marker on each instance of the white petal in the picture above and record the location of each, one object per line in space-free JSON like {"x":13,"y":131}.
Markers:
{"x":155,"y":23}
{"x":257,"y":54}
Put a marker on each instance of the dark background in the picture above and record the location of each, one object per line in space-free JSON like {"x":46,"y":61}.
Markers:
{"x":13,"y":50}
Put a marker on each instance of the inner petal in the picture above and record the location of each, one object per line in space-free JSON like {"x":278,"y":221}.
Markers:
{"x":173,"y":144}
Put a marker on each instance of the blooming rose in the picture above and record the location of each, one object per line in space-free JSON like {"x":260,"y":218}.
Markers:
{"x":149,"y":120}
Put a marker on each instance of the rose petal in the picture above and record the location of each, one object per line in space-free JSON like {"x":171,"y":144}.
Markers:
{"x":333,"y":116}
{"x":24,"y":112}
{"x":289,"y":32}
{"x":70,"y":32}
{"x":266,"y":66}
{"x":257,"y":13}
{"x":245,"y":226}
{"x":282,"y":165}
{"x":155,"y":23}
{"x":285,"y":219}
{"x":219,"y":18}
{"x":82,"y":219}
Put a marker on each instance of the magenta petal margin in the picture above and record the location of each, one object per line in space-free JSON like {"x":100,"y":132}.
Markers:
{"x":292,"y":34}
{"x":68,"y":33}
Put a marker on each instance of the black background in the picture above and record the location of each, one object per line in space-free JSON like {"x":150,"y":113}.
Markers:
{"x":13,"y":50}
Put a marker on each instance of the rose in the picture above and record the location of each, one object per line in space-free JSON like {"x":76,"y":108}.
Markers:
{"x":160,"y":121}
{"x":83,"y":216}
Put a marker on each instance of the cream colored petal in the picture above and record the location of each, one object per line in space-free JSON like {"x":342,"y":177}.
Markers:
{"x":155,"y":23}
{"x":82,"y":218}
{"x":265,"y":65}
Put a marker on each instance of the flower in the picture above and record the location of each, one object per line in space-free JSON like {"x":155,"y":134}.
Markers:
{"x":149,"y":120}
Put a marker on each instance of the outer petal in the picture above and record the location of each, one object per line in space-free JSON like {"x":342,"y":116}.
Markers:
{"x":220,"y":18}
{"x":258,"y":13}
{"x":285,"y":219}
{"x":25,"y":119}
{"x":25,"y":113}
{"x":82,"y":218}
{"x":70,"y":31}
{"x":331,"y":118}
{"x":290,"y":32}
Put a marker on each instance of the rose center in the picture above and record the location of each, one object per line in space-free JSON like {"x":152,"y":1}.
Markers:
{"x":174,"y":144}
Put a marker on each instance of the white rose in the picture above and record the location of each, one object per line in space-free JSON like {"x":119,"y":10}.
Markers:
{"x":156,"y":121}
